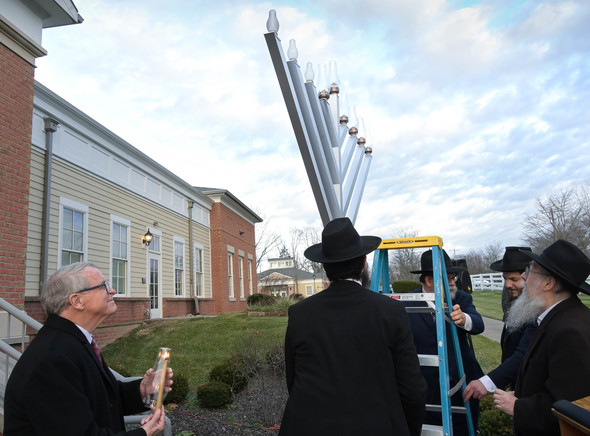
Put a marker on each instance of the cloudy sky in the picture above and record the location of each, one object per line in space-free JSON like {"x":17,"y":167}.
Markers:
{"x":474,"y":109}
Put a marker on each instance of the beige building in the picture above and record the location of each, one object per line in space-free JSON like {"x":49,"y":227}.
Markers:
{"x":283,"y":279}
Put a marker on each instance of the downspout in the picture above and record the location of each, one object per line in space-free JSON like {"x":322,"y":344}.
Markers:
{"x":191,"y":255}
{"x":50,"y":128}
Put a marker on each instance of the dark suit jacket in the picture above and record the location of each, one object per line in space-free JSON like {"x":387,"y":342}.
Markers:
{"x":352,"y":368}
{"x":556,"y":367}
{"x":505,"y":374}
{"x":59,"y":388}
{"x":425,"y":339}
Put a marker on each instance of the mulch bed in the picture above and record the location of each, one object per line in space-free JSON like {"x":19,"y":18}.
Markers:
{"x":255,"y":411}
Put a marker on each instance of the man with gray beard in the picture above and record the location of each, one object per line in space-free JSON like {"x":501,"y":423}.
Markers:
{"x":519,"y":327}
{"x":557,"y":363}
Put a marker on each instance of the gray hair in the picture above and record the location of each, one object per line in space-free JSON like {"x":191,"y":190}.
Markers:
{"x":56,"y":291}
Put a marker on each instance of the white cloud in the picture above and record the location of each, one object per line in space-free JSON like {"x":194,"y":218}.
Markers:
{"x":472,"y":112}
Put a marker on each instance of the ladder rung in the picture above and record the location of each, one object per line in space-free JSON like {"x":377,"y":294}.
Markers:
{"x":428,"y":359}
{"x":432,"y":430}
{"x":412,"y":296}
{"x":438,"y":408}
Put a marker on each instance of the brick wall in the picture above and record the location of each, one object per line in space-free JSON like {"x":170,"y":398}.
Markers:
{"x":226,"y":227}
{"x":131,"y":312}
{"x":178,"y":307}
{"x":16,"y":109}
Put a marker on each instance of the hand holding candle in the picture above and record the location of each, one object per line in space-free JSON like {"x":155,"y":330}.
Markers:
{"x":157,"y":385}
{"x":165,"y":356}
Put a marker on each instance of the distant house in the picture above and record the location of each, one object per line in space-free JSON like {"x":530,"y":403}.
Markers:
{"x":283,"y":279}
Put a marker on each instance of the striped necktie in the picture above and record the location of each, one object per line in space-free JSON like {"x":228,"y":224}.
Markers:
{"x":96,"y":350}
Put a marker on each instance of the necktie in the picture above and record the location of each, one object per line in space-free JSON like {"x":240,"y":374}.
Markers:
{"x":96,"y":350}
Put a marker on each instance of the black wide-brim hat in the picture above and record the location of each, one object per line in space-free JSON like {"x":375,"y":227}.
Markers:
{"x":513,"y":260}
{"x":566,"y":262}
{"x":426,"y":264}
{"x":340,"y":242}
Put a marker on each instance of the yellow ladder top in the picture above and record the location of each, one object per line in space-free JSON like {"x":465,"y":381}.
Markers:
{"x":418,"y":241}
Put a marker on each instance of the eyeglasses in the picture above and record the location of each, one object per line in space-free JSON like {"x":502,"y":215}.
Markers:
{"x":452,"y":277}
{"x":528,"y":271}
{"x":107,"y":288}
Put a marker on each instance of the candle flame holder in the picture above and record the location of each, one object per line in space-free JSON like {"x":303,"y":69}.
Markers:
{"x":157,"y":393}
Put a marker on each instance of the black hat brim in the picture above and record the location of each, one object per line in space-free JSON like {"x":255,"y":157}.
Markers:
{"x":369,"y":244}
{"x":545,"y":263}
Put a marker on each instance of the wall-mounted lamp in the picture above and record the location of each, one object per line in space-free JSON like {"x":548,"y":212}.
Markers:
{"x":241,"y":232}
{"x":147,"y":238}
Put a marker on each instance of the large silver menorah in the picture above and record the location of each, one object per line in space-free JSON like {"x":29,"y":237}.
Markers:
{"x":336,"y":158}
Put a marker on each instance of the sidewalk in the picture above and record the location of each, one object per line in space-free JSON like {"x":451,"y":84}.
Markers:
{"x":493,"y":328}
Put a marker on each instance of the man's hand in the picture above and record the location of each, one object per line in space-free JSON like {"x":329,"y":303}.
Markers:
{"x":148,"y":387}
{"x":505,"y":401}
{"x":154,"y":424}
{"x":475,"y":389}
{"x":458,"y":316}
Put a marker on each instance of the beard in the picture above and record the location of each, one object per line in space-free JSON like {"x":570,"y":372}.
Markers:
{"x":524,"y":310}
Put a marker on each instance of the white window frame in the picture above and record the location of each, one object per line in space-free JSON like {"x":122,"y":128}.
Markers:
{"x":77,"y":207}
{"x":250,"y":282}
{"x":199,"y":278}
{"x":241,"y":274}
{"x":230,"y":272}
{"x":308,"y":290}
{"x":178,"y":240}
{"x":127,"y":223}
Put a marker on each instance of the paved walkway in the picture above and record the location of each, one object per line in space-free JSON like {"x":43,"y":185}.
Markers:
{"x":493,"y":328}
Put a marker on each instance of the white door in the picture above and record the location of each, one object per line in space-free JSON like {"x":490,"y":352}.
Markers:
{"x":154,"y":285}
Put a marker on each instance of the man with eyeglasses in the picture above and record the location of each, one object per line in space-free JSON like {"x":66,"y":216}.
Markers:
{"x":468,"y":320}
{"x":61,"y":385}
{"x":518,"y":330}
{"x":557,"y":363}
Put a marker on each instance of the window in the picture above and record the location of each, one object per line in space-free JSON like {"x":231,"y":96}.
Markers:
{"x":199,"y":271}
{"x":73,"y":239}
{"x":178,"y":268}
{"x":230,"y":274}
{"x":120,"y":254}
{"x":308,"y":290}
{"x":250,"y":290}
{"x":241,"y":266}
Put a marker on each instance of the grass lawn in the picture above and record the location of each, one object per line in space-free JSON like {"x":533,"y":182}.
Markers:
{"x":197,"y":344}
{"x":489,"y":303}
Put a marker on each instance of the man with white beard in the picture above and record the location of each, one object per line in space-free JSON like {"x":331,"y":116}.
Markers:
{"x":519,"y":327}
{"x":557,"y":363}
{"x":468,"y":320}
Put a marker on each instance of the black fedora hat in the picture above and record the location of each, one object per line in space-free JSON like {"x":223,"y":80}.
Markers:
{"x":513,"y":260}
{"x":426,"y":264}
{"x":566,"y":262}
{"x":340,"y":242}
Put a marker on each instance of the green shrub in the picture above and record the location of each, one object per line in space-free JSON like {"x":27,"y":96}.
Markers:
{"x":493,"y":422}
{"x":260,"y":300}
{"x":403,"y":286}
{"x":179,"y":390}
{"x":296,"y":297}
{"x":214,"y":394}
{"x":230,"y":374}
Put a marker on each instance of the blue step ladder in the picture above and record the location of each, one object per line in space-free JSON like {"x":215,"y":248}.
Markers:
{"x":434,"y":303}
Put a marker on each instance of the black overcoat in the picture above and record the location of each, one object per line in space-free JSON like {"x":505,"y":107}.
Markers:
{"x":58,"y":388}
{"x":556,"y":367}
{"x":352,"y":368}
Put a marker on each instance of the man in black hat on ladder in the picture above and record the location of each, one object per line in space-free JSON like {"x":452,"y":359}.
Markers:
{"x":351,"y":363}
{"x":468,"y":320}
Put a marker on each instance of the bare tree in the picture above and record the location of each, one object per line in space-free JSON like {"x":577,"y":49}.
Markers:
{"x":564,"y":215}
{"x":403,"y":261}
{"x":267,"y":239}
{"x":479,"y":261}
